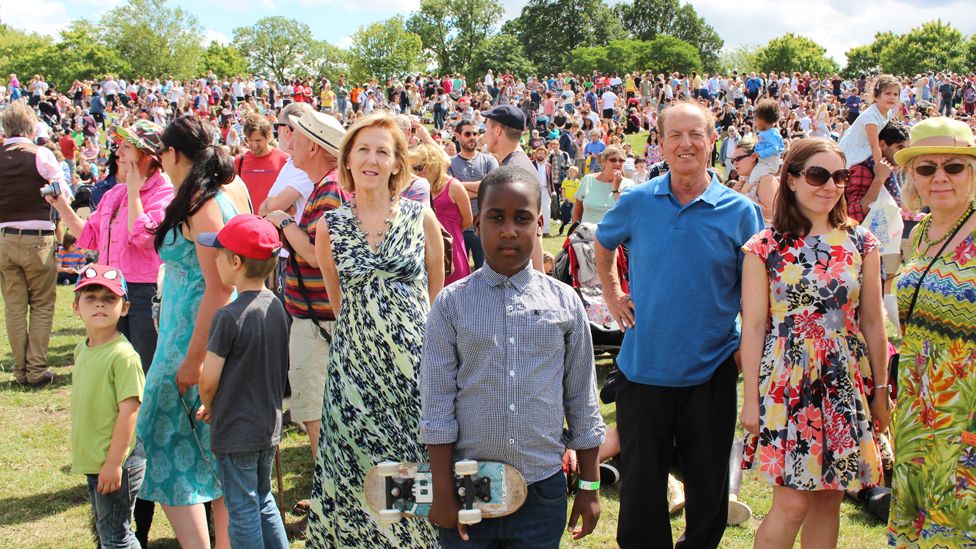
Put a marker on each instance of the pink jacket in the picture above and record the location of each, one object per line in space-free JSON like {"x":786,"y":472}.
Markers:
{"x":107,"y":229}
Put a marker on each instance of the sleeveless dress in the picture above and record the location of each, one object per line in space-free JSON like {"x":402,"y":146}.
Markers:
{"x":371,"y":410}
{"x":814,"y":418}
{"x":180,"y":467}
{"x":934,"y":484}
{"x":450,"y":217}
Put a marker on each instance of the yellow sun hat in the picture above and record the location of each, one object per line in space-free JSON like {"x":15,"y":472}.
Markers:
{"x":938,"y":135}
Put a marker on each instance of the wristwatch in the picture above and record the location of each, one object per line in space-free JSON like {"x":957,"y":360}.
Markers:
{"x":286,"y":222}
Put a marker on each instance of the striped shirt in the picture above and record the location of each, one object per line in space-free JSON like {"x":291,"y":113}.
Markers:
{"x":326,"y":196}
{"x":506,"y":362}
{"x":71,"y":260}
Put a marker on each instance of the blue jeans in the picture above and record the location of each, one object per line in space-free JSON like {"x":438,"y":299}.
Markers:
{"x":539,"y":524}
{"x":113,"y":512}
{"x":472,"y":243}
{"x":254,"y":517}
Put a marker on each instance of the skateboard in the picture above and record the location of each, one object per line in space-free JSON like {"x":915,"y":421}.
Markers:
{"x":486,"y":489}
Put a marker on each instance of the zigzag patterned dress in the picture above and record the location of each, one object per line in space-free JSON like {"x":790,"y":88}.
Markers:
{"x":371,"y":411}
{"x":934,"y":484}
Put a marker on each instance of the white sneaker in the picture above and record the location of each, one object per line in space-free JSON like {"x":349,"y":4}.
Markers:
{"x":738,"y":512}
{"x":676,"y":495}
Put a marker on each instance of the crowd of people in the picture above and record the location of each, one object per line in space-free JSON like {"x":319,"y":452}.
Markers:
{"x":375,"y":251}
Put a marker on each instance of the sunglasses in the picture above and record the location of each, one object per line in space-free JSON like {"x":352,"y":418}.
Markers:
{"x":615,"y":160}
{"x":740,"y":157}
{"x":952,"y":168}
{"x":279,"y":125}
{"x":818,"y":177}
{"x":469,"y":134}
{"x":417,"y":169}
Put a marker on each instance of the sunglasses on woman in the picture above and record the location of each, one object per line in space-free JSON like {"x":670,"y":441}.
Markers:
{"x":740,"y":157}
{"x":953,"y":168}
{"x":818,"y":177}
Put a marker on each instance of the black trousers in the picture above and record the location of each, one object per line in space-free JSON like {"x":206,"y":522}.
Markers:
{"x":699,"y":423}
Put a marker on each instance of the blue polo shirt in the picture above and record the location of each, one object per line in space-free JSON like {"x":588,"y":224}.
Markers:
{"x":685,"y":278}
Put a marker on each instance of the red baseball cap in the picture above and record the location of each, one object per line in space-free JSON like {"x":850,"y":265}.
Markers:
{"x":246,"y":235}
{"x":103,"y":275}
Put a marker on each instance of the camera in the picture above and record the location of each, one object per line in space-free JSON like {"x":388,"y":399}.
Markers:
{"x":52,"y":189}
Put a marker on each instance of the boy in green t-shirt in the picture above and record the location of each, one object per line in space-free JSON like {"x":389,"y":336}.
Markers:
{"x":569,"y":187}
{"x":106,"y":393}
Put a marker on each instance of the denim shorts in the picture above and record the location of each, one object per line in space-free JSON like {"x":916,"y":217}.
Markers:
{"x":539,"y":524}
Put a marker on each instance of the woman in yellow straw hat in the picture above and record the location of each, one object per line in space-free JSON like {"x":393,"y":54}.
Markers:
{"x":934,"y":484}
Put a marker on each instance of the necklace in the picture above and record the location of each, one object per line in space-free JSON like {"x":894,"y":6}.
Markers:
{"x":927,"y":222}
{"x":388,"y":221}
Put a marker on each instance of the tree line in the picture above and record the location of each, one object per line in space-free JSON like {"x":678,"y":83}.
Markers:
{"x":153,"y":39}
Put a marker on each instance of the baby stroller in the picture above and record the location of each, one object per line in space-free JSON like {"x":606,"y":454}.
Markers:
{"x":576,"y":265}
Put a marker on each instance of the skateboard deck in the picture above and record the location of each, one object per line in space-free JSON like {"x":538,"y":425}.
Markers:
{"x":406,"y":489}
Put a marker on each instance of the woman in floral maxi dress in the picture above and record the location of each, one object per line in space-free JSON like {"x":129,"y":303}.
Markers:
{"x":812,"y":337}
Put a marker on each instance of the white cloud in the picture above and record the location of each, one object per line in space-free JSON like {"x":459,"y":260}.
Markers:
{"x":837,"y":25}
{"x":214,"y":36}
{"x":42,"y":16}
{"x":345,"y":42}
{"x":387,"y":7}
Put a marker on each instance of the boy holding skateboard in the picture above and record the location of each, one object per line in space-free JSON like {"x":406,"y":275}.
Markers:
{"x":242,"y":381}
{"x":507,"y":360}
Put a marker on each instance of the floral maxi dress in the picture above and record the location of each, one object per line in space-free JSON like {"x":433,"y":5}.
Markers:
{"x":815,"y":429}
{"x":934,"y":483}
{"x":371,"y":411}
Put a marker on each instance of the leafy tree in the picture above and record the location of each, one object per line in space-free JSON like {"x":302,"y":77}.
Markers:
{"x":646,"y":19}
{"x":224,"y":60}
{"x":971,"y":53}
{"x":501,"y":52}
{"x":866,"y":59}
{"x":80,"y":54}
{"x":325,"y":60}
{"x":153,"y":38}
{"x":586,"y":59}
{"x":385,"y":49}
{"x":935,"y":46}
{"x":741,"y":58}
{"x":274,"y":45}
{"x":667,"y":54}
{"x":550,"y":29}
{"x":792,"y":52}
{"x":452,"y":29}
{"x":20,"y":52}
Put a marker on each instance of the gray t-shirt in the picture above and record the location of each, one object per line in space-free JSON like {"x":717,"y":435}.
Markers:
{"x":472,"y":170}
{"x":251,"y":334}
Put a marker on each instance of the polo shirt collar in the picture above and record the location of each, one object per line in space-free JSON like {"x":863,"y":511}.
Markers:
{"x":12,"y":140}
{"x":711,"y":195}
{"x":519,"y":280}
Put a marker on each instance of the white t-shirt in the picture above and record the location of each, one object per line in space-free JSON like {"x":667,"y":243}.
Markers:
{"x":855,"y":142}
{"x":609,"y":99}
{"x":110,"y":87}
{"x":290,"y":176}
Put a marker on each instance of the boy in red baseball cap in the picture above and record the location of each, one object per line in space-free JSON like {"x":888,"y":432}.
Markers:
{"x":106,"y":393}
{"x":243,"y":379}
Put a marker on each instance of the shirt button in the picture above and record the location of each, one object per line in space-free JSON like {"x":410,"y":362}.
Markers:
{"x":510,"y":308}
{"x":511,"y":407}
{"x":511,"y":340}
{"x":511,"y":373}
{"x":511,"y":441}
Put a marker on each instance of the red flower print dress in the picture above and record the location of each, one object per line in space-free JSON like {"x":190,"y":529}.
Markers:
{"x":815,"y":430}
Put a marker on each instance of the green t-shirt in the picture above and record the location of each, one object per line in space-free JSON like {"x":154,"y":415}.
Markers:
{"x":103,"y":377}
{"x":597,"y":197}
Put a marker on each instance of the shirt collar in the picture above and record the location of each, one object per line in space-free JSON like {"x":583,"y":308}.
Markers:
{"x":18,"y":140}
{"x":711,"y":195}
{"x":520,"y":279}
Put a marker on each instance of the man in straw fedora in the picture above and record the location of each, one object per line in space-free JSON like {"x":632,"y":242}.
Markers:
{"x":314,"y":146}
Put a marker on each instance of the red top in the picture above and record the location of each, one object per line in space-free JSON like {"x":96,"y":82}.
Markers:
{"x":69,"y":147}
{"x":259,"y":173}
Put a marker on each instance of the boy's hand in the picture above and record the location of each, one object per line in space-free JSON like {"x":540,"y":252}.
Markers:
{"x":204,"y":415}
{"x":109,"y":479}
{"x":444,"y":513}
{"x":587,"y":506}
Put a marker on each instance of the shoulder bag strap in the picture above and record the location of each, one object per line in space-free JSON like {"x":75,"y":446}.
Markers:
{"x":918,"y":286}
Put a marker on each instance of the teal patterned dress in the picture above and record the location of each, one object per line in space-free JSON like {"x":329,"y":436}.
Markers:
{"x":371,"y":409}
{"x":180,"y":468}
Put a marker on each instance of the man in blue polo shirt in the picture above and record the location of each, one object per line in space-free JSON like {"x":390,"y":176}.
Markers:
{"x":684,"y":231}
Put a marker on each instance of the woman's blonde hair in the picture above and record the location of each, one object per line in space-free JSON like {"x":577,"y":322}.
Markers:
{"x":435,"y":160}
{"x":909,"y":193}
{"x":610,"y":151}
{"x":401,"y":175}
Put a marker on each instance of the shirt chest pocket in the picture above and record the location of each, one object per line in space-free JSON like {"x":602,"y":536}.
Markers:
{"x":540,"y":331}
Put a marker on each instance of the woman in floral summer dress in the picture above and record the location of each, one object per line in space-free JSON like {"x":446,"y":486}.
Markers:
{"x":813,"y":337}
{"x":382,"y":258}
{"x":934,"y":484}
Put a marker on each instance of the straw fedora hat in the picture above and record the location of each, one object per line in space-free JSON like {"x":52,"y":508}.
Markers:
{"x":938,"y":135}
{"x":322,"y":129}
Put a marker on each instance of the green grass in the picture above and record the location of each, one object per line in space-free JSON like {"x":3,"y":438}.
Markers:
{"x":43,"y":505}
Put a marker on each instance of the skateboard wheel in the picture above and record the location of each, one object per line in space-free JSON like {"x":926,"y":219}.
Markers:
{"x":389,"y":516}
{"x":388,"y":468}
{"x":466,"y":467}
{"x":469,"y":516}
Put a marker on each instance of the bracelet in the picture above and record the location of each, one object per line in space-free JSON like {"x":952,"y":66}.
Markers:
{"x":615,"y":191}
{"x":589,"y":485}
{"x":887,"y":388}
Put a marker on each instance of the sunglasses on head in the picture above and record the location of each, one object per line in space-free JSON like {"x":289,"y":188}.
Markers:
{"x":952,"y":168}
{"x":818,"y":177}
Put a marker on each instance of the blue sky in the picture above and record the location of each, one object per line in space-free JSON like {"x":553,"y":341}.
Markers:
{"x":836,"y":24}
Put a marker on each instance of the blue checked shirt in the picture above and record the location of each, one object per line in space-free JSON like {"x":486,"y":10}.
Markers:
{"x":507,"y":363}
